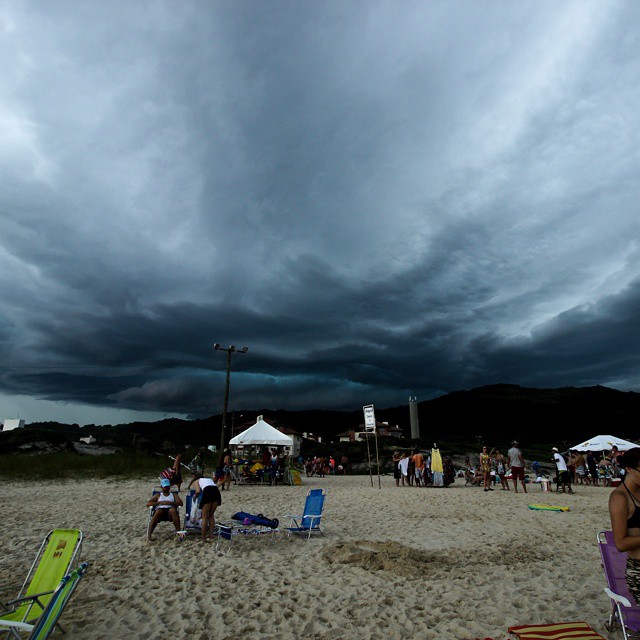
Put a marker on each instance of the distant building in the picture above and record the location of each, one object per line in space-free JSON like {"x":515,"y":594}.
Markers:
{"x":10,"y":425}
{"x":382,"y":428}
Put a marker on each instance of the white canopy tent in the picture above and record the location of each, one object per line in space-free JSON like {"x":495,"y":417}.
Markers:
{"x":604,"y":443}
{"x":261,"y":433}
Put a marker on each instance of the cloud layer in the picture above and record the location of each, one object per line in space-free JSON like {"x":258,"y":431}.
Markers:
{"x":377,"y":199}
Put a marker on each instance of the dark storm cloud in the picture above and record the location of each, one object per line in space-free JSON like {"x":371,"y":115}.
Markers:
{"x":379,"y":200}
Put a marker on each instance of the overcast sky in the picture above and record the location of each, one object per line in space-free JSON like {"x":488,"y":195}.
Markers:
{"x":379,"y":199}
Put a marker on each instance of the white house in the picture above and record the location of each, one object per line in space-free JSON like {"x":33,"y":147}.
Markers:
{"x":10,"y":425}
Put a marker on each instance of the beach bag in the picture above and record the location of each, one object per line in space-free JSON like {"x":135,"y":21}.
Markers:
{"x":260,"y":520}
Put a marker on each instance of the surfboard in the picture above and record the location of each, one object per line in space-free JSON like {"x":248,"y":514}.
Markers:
{"x":547,"y":507}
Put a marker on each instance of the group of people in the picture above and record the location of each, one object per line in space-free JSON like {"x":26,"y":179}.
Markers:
{"x":207,"y":495}
{"x":415,"y":469}
{"x":593,"y":468}
{"x":493,"y":466}
{"x":324,"y":466}
{"x":571,"y":468}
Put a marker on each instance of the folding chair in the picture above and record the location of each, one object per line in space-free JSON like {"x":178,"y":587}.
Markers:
{"x":192,"y":520}
{"x":309,"y":521}
{"x":49,"y":617}
{"x":57,"y":555}
{"x":559,"y":631}
{"x":624,"y":610}
{"x":154,"y":492}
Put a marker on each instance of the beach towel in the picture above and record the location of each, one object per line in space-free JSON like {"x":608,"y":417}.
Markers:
{"x":560,"y":631}
{"x":436,"y":468}
{"x":547,"y":507}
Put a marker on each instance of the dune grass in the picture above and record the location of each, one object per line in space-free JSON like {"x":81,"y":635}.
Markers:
{"x":52,"y":466}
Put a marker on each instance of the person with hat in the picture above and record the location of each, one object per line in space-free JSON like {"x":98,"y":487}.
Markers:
{"x":516,"y":462}
{"x":166,"y":505}
{"x":562,"y":473}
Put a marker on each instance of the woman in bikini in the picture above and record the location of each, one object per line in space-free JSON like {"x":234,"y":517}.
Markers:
{"x":485,"y":465}
{"x":624,"y":508}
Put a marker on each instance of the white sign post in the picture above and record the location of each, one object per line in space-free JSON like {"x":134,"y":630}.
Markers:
{"x":369,"y":418}
{"x":369,"y":426}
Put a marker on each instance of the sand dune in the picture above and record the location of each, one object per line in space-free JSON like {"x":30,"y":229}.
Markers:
{"x":394,"y":563}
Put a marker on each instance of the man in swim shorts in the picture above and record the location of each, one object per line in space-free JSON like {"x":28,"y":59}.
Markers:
{"x":516,"y":462}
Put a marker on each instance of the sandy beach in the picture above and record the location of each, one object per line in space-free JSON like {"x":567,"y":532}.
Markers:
{"x":449,"y":563}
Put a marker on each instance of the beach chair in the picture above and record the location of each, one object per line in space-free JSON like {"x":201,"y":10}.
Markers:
{"x":309,"y":521}
{"x":48,"y":619}
{"x":57,"y":555}
{"x":624,"y":610}
{"x":556,"y":631}
{"x":192,"y":520}
{"x":154,"y":492}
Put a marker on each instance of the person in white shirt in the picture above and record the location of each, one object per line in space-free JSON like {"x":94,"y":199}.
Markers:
{"x":209,"y":499}
{"x":166,"y":506}
{"x":404,"y":468}
{"x":516,"y":462}
{"x":564,"y":479}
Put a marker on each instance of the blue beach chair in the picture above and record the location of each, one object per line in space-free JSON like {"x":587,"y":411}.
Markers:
{"x":309,"y":521}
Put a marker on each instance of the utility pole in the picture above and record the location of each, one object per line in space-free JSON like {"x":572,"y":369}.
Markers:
{"x":231,"y":349}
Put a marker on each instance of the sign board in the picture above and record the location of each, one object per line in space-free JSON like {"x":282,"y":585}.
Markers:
{"x":369,"y":418}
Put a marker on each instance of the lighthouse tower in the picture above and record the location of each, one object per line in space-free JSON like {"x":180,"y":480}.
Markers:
{"x":413,"y":416}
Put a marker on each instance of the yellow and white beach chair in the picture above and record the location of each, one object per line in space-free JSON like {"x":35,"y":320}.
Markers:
{"x":58,"y":554}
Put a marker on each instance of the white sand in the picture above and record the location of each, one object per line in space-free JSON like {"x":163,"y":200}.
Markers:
{"x":394,"y":563}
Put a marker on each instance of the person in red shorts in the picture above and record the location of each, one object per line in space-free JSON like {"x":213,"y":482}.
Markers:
{"x":516,"y":462}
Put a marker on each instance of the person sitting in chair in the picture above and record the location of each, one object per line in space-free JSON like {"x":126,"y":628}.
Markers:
{"x":166,"y":507}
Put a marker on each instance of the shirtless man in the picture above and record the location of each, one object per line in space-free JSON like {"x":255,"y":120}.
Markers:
{"x":419,"y":465}
{"x":166,"y":504}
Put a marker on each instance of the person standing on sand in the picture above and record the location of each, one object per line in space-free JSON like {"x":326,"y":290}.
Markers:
{"x":501,"y":468}
{"x":624,"y":509}
{"x":404,"y":468}
{"x":227,"y":464}
{"x":592,"y":464}
{"x":418,"y":464}
{"x":562,"y":473}
{"x":210,"y":499}
{"x":397,"y":474}
{"x":580,"y":465}
{"x":485,"y":465}
{"x":516,"y":462}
